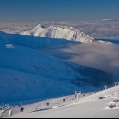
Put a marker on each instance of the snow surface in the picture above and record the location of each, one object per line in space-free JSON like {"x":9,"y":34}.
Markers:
{"x":103,"y":104}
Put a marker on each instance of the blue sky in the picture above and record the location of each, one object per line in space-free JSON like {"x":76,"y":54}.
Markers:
{"x":57,"y":10}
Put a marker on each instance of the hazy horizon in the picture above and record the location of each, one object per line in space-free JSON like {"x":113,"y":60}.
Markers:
{"x":60,"y":10}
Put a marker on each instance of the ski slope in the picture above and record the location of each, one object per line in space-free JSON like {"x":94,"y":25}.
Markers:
{"x":103,"y":104}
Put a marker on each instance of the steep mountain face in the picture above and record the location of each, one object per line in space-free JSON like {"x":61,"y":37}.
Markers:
{"x":62,"y":32}
{"x":30,"y":74}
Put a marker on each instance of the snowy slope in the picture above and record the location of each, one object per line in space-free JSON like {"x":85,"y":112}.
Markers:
{"x":104,"y":104}
{"x":62,"y":32}
{"x":25,"y":72}
{"x":38,"y":42}
{"x":32,"y":41}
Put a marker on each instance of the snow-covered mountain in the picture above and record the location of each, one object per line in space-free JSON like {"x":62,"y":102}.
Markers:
{"x":32,"y":41}
{"x":37,"y":42}
{"x":27,"y":74}
{"x":62,"y":32}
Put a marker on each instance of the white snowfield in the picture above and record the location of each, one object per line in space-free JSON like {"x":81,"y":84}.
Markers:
{"x":57,"y":31}
{"x":104,"y":104}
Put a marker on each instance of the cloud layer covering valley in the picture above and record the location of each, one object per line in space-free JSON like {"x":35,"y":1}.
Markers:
{"x":105,"y":28}
{"x":96,"y":55}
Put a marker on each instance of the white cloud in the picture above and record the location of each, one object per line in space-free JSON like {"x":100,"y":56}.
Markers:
{"x":96,"y":55}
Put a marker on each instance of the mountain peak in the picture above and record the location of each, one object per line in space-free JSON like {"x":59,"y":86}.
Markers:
{"x":39,"y":26}
{"x":62,"y":32}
